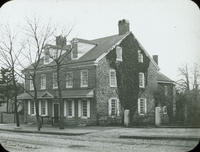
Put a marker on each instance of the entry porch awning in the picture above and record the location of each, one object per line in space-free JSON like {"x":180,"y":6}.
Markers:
{"x":81,"y":93}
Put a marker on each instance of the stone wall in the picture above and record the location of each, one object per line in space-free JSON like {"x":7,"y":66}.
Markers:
{"x":103,"y":93}
{"x":151,"y":86}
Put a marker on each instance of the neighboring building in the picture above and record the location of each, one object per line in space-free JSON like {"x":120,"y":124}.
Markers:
{"x":89,"y":83}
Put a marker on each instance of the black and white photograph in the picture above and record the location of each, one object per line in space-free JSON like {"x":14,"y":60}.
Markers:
{"x":99,"y":76}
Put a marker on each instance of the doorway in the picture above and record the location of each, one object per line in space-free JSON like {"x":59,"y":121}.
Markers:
{"x":56,"y":112}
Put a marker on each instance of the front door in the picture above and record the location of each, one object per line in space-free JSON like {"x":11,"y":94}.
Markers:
{"x":56,"y":112}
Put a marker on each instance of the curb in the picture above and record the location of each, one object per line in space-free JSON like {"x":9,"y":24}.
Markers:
{"x":45,"y":132}
{"x":160,"y":137}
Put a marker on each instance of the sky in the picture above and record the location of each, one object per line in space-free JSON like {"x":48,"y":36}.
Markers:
{"x":167,"y":28}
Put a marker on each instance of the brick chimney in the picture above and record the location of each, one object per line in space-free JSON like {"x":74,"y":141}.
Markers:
{"x":60,"y":41}
{"x":74,"y":44}
{"x":155,"y":58}
{"x":123,"y":26}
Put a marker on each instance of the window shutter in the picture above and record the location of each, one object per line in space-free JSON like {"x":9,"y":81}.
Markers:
{"x":88,"y":108}
{"x":29,"y":107}
{"x":40,"y":109}
{"x":46,"y":108}
{"x":73,"y":108}
{"x":79,"y":108}
{"x":138,"y":106}
{"x":109,"y":107}
{"x":65,"y":108}
{"x":145,"y":103}
{"x":118,"y":107}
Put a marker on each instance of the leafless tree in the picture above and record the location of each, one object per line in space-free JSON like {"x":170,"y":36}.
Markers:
{"x":184,"y":82}
{"x":38,"y":35}
{"x":58,"y":56}
{"x":10,"y":53}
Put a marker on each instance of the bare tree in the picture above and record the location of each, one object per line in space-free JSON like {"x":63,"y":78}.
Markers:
{"x":58,"y":56}
{"x":184,"y":82}
{"x":10,"y":52}
{"x":38,"y":35}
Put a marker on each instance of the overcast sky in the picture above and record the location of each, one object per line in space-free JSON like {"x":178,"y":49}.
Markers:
{"x":168,"y":28}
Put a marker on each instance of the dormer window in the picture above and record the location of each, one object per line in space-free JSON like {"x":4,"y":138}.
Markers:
{"x":46,"y":58}
{"x":140,"y":56}
{"x":119,"y":53}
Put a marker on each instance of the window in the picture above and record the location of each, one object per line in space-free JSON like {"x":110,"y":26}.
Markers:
{"x":164,"y":109}
{"x":140,"y":56}
{"x":69,"y":80}
{"x":84,"y":108}
{"x":165,"y":90}
{"x":113,"y":107}
{"x":54,"y":54}
{"x":43,"y":81}
{"x":43,"y":107}
{"x":84,"y":78}
{"x":141,"y":80}
{"x":31,"y":84}
{"x":55,"y":84}
{"x":142,"y":108}
{"x":119,"y":53}
{"x":31,"y":107}
{"x":69,"y":108}
{"x":46,"y":58}
{"x":113,"y":80}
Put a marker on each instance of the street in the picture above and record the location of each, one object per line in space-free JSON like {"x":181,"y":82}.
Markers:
{"x":101,"y":141}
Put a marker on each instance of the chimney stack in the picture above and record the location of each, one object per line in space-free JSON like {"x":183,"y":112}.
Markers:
{"x":60,"y":41}
{"x":123,"y":26}
{"x":155,"y":58}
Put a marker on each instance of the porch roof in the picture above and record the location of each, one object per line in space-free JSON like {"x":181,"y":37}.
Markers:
{"x":86,"y":93}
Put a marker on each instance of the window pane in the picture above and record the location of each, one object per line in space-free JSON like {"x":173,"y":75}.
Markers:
{"x":32,"y":107}
{"x":69,"y":80}
{"x":84,"y":108}
{"x":55,"y":84}
{"x":70,"y":108}
{"x":84,"y":78}
{"x":113,"y":107}
{"x":113,"y":80}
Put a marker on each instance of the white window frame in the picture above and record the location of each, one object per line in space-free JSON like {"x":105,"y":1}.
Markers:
{"x":110,"y":78}
{"x":55,"y":84}
{"x":117,"y":107}
{"x":43,"y":84}
{"x":119,"y":53}
{"x":45,"y":106}
{"x":141,"y":80}
{"x":164,"y":108}
{"x":80,"y":109}
{"x":84,"y":85}
{"x":45,"y":56}
{"x":140,"y":57}
{"x":31,"y":84}
{"x":139,"y":106}
{"x":67,"y":84}
{"x":66,"y":109}
{"x":30,"y":108}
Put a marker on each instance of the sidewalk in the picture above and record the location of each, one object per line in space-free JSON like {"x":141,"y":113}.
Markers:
{"x":111,"y":132}
{"x":27,"y":128}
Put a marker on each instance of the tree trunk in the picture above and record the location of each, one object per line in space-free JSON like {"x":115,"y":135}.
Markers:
{"x":61,"y":123}
{"x":15,"y":97}
{"x":37,"y":114}
{"x":36,"y":103}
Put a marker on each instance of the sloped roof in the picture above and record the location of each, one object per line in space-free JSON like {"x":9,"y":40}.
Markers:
{"x":163,"y":78}
{"x":79,"y":93}
{"x":102,"y":46}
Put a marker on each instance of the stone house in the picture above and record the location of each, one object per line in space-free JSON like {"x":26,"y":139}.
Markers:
{"x":89,"y":81}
